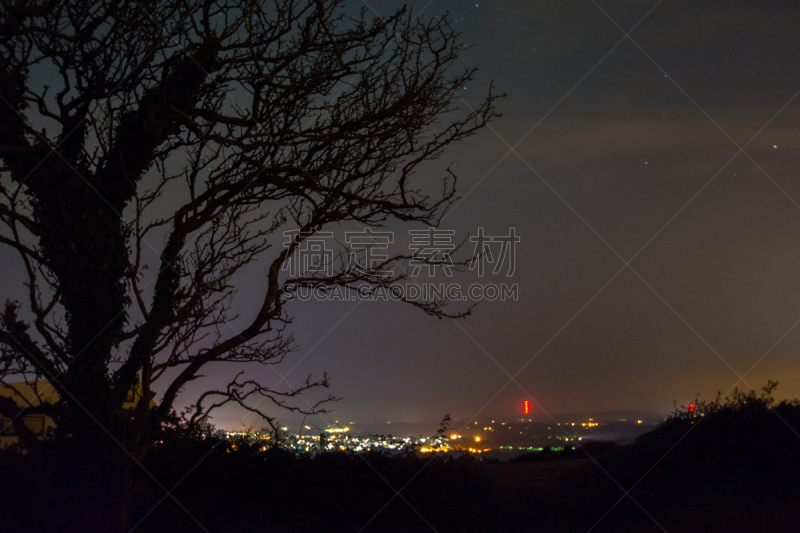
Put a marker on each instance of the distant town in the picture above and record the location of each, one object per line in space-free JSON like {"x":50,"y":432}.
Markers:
{"x":496,"y":438}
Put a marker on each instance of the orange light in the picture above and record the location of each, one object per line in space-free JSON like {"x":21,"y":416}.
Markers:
{"x":691,"y":408}
{"x":526,"y":407}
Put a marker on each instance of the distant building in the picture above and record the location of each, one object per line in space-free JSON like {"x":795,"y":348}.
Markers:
{"x":36,"y":393}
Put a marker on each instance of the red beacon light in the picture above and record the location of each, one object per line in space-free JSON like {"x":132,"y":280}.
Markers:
{"x":526,"y":407}
{"x":691,"y":408}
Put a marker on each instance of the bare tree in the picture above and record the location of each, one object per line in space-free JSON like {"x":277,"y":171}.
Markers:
{"x":203,"y":127}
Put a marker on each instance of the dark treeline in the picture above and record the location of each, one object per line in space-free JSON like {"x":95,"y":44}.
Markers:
{"x":731,"y":465}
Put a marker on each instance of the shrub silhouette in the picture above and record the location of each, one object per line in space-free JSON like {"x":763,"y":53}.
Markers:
{"x":251,"y":489}
{"x":731,"y":465}
{"x":740,"y":452}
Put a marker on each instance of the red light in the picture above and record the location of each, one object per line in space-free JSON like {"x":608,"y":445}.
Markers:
{"x":526,"y":407}
{"x":691,"y":408}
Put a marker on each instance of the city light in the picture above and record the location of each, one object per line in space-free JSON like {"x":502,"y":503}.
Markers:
{"x":340,"y":438}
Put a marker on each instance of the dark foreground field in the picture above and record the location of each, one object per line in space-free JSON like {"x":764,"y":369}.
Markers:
{"x":735,"y":469}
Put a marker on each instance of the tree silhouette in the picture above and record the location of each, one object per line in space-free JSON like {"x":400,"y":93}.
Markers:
{"x":207,"y":128}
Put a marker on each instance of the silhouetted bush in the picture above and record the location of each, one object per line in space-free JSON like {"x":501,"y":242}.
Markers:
{"x":250,"y":489}
{"x":727,"y":456}
{"x":731,"y":465}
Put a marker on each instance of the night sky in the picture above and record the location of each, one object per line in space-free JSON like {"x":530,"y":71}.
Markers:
{"x":611,"y":150}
